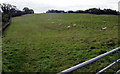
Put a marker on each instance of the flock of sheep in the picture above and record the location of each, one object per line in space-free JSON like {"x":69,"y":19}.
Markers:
{"x":74,"y":25}
{"x":70,"y":26}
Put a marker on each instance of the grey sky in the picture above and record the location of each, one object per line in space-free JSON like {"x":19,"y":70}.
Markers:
{"x":44,"y":5}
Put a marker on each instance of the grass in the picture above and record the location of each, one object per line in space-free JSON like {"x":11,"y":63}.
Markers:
{"x":38,"y":43}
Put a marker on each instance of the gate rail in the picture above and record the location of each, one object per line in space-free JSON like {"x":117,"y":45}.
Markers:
{"x":91,"y":61}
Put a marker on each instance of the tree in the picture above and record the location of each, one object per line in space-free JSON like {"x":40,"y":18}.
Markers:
{"x":6,"y":16}
{"x":31,"y":11}
{"x":79,"y":11}
{"x":94,"y":11}
{"x":55,"y":11}
{"x":26,"y":10}
{"x":7,"y":7}
{"x":70,"y":11}
{"x":109,"y":11}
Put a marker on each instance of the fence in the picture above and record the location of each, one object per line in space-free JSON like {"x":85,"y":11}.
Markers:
{"x":5,"y":26}
{"x":91,"y":61}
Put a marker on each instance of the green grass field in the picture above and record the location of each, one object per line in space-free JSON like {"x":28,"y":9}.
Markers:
{"x":42,"y":43}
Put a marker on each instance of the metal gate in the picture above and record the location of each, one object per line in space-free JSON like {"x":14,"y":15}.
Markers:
{"x":93,"y":60}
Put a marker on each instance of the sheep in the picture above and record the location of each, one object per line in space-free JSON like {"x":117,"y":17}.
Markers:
{"x":104,"y":28}
{"x":68,"y":26}
{"x":74,"y":25}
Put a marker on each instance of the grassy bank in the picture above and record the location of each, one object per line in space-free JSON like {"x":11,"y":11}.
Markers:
{"x":43,"y":43}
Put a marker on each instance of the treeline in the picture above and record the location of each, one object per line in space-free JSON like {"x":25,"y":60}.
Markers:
{"x":14,"y":12}
{"x":97,"y":11}
{"x":9,"y":11}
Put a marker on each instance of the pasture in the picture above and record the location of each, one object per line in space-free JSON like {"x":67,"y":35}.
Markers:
{"x":44,"y":43}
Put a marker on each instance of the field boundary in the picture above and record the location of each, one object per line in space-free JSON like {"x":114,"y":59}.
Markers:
{"x":91,"y":61}
{"x":5,"y":26}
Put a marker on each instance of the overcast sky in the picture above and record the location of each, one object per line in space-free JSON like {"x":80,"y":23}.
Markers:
{"x":43,"y":5}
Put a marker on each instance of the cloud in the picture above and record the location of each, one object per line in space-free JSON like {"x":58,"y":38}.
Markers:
{"x":44,"y":5}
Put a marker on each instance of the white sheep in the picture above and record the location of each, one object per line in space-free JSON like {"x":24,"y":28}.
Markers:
{"x":68,"y":26}
{"x":74,"y":25}
{"x":104,"y":28}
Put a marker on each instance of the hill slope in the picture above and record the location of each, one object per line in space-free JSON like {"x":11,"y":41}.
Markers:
{"x":43,"y":43}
